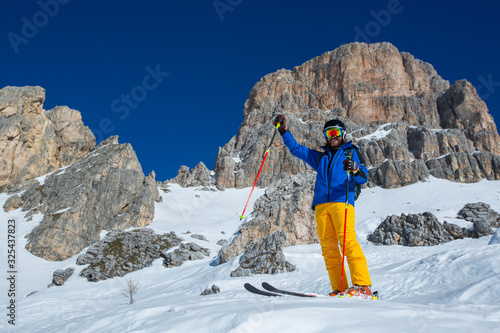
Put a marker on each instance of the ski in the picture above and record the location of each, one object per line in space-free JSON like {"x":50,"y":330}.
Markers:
{"x":275,"y":292}
{"x":273,"y":289}
{"x":270,"y":288}
{"x":258,"y":291}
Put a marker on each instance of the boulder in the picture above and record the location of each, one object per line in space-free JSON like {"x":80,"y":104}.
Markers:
{"x":264,"y":257}
{"x":189,"y":251}
{"x":60,"y":276}
{"x":120,"y":253}
{"x":210,"y":291}
{"x":484,"y":218}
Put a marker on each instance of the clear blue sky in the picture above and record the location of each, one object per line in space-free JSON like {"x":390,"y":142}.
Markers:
{"x":171,"y":77}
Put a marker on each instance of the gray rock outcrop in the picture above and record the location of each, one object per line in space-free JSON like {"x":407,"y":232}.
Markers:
{"x":484,"y":218}
{"x":425,"y":229}
{"x":120,"y":253}
{"x":264,"y":257}
{"x":198,"y":176}
{"x":189,"y":251}
{"x":104,"y":190}
{"x":60,"y":276}
{"x":412,"y":230}
{"x":34,"y":142}
{"x":199,"y":237}
{"x":51,"y":167}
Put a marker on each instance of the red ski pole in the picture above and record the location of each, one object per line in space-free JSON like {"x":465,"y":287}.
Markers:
{"x":242,"y":216}
{"x":345,"y":227}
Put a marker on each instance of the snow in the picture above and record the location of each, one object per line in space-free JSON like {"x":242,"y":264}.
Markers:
{"x":237,"y":159}
{"x":451,"y":287}
{"x":62,"y":211}
{"x":380,"y":133}
{"x":495,"y":239}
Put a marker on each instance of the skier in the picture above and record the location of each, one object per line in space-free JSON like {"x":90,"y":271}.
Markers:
{"x":329,"y":203}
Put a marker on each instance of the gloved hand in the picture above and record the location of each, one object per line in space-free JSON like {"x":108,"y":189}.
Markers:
{"x":281,"y":121}
{"x":351,"y":165}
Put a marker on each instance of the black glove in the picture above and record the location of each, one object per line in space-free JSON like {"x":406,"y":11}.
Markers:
{"x":281,"y":121}
{"x":350,"y":165}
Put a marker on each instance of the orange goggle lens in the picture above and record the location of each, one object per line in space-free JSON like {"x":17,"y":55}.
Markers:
{"x":333,"y":132}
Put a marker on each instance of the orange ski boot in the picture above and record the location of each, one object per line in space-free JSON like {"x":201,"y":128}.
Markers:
{"x":359,"y":291}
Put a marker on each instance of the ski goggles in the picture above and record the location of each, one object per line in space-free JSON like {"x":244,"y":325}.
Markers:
{"x":334,"y":132}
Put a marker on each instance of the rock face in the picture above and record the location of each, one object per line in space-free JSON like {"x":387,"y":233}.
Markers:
{"x":425,"y":230}
{"x":120,"y":253}
{"x":408,"y":122}
{"x":105,"y":190}
{"x":285,"y":206}
{"x":51,"y":166}
{"x":198,"y":176}
{"x":34,"y":142}
{"x":366,"y":86}
{"x":264,"y":257}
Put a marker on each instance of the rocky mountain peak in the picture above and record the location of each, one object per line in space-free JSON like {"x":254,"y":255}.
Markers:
{"x":366,"y":86}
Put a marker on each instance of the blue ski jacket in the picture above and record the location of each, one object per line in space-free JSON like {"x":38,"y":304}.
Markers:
{"x":331,"y":179}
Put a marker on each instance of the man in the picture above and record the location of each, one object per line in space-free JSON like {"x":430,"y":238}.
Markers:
{"x":338,"y":160}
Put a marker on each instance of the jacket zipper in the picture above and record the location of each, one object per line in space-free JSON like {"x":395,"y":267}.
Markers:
{"x":329,"y":177}
{"x":329,"y":172}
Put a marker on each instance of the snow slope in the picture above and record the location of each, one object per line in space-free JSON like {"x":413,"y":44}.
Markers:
{"x":451,"y":287}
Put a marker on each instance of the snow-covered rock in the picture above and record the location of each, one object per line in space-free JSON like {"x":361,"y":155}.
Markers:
{"x":495,"y":239}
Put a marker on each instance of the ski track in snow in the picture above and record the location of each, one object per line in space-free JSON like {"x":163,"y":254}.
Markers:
{"x":451,"y":287}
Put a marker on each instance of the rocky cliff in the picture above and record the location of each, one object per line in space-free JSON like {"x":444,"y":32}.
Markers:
{"x":55,"y":174}
{"x":33,"y":141}
{"x":366,"y":85}
{"x":408,"y":122}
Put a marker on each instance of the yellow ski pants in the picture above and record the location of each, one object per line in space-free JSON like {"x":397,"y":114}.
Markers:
{"x":330,"y":222}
